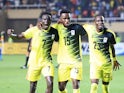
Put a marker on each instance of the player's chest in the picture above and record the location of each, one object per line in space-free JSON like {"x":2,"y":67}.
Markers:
{"x":100,"y":38}
{"x":64,"y":32}
{"x":44,"y":36}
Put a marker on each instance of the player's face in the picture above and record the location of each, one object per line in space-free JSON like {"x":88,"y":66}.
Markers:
{"x":65,"y":19}
{"x":99,"y":21}
{"x":45,"y":21}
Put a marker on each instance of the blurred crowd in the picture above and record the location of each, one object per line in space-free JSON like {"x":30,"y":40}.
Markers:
{"x":79,"y":8}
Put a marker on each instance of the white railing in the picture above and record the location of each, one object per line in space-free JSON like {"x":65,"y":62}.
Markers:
{"x":109,"y":20}
{"x":25,"y":6}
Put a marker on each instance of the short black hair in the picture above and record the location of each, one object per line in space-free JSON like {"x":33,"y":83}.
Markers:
{"x":64,"y":11}
{"x":99,"y":15}
{"x":45,"y":13}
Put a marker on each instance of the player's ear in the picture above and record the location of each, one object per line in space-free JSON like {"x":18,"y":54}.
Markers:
{"x":59,"y":21}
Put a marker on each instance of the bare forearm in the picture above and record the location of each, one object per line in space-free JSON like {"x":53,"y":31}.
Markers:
{"x":11,"y":34}
{"x":16,"y":36}
{"x":113,"y":52}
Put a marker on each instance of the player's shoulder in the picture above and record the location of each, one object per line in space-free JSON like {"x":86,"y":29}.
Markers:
{"x":53,"y":29}
{"x":110,"y":32}
{"x":88,"y":25}
{"x":56,"y":25}
{"x":75,"y":26}
{"x":33,"y":29}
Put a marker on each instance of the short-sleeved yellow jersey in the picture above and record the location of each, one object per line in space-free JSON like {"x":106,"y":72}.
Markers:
{"x":99,"y":44}
{"x":41,"y":45}
{"x":69,"y":43}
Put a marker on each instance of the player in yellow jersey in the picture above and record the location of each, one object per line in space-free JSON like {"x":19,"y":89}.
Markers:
{"x":40,"y":60}
{"x":102,"y":54}
{"x":69,"y":54}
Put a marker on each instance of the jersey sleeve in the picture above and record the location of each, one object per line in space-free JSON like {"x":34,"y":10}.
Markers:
{"x":29,"y":33}
{"x":56,"y":34}
{"x":55,"y":26}
{"x":113,"y":38}
{"x":82,"y":30}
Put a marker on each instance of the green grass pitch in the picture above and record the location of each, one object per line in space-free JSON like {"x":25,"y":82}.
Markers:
{"x":12,"y":78}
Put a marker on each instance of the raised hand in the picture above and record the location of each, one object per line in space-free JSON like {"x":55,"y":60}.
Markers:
{"x":10,"y":31}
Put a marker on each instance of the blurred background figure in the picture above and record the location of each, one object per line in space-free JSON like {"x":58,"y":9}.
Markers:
{"x":28,"y":51}
{"x":2,"y":33}
{"x":118,"y":38}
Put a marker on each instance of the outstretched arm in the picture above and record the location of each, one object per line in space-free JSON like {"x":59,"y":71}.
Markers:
{"x":116,"y":64}
{"x":11,"y":34}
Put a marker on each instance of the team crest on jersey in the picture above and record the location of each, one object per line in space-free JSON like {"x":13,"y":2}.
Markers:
{"x":105,"y":39}
{"x":53,"y":36}
{"x":72,"y":32}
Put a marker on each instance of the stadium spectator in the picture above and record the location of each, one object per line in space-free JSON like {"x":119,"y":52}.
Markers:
{"x":40,"y":60}
{"x":69,"y":54}
{"x":101,"y":45}
{"x":10,"y":40}
{"x":108,"y":8}
{"x":23,"y":2}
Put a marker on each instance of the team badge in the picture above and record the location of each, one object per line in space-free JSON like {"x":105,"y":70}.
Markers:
{"x":105,"y":39}
{"x":53,"y":36}
{"x":72,"y":32}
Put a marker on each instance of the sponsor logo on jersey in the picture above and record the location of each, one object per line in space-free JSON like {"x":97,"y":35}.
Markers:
{"x":105,"y":39}
{"x":72,"y":32}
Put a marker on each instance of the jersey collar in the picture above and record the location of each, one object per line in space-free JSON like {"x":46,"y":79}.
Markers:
{"x":47,"y":29}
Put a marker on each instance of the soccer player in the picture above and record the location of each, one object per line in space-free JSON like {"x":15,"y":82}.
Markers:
{"x":28,"y":51}
{"x":69,"y":54}
{"x":102,"y":54}
{"x":40,"y":60}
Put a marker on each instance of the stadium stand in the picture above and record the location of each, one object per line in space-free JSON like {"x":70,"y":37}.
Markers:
{"x":79,"y":8}
{"x":14,"y":12}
